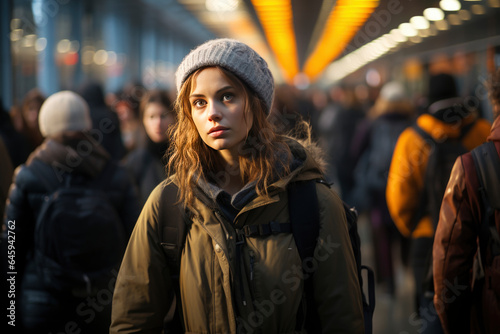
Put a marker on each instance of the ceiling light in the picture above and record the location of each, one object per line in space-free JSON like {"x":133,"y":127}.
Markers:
{"x":15,"y":24}
{"x":494,"y":3}
{"x":416,"y":39}
{"x":464,"y":15}
{"x":442,"y":25}
{"x":276,"y":18}
{"x":345,"y":20}
{"x":16,"y":35}
{"x":454,"y":19}
{"x":221,"y":5}
{"x":450,"y":5}
{"x":419,"y":22}
{"x":424,"y":33}
{"x":407,"y":30}
{"x":478,"y":9}
{"x":398,"y":36}
{"x":63,"y":46}
{"x":434,"y":14}
{"x":40,"y":44}
{"x":100,"y":57}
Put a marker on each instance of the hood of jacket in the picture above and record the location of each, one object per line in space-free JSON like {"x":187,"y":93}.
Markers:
{"x":75,"y":152}
{"x":307,"y":163}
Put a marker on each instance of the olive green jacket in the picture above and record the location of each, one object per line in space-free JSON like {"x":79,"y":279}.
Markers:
{"x":259,"y":293}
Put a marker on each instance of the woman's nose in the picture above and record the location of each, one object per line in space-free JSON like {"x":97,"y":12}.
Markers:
{"x":214,"y":114}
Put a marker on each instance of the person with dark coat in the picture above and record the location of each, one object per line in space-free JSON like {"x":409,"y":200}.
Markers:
{"x":17,"y":145}
{"x":374,"y":144}
{"x":105,"y":122}
{"x":68,"y":155}
{"x":147,"y":163}
{"x":466,"y":303}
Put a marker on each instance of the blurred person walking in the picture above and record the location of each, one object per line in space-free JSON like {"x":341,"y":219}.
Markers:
{"x":336,"y":127}
{"x":147,"y":163}
{"x":29,"y":114}
{"x":470,"y":217}
{"x":232,"y":172}
{"x":71,"y":210}
{"x":105,"y":122}
{"x":15,"y":143}
{"x":373,"y":144}
{"x":419,"y":168}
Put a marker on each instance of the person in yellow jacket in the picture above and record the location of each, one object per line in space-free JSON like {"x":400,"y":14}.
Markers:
{"x":446,"y":117}
{"x":232,"y":171}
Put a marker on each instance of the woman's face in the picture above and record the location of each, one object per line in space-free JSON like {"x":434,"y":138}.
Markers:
{"x":218,"y":111}
{"x":30,"y":114}
{"x":156,"y":121}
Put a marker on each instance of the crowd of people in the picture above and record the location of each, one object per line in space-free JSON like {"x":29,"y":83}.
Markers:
{"x":149,"y":211}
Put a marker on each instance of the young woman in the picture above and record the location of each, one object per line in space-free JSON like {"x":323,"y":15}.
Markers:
{"x":146,"y":163}
{"x":232,"y":171}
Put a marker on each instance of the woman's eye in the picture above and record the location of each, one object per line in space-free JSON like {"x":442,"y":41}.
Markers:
{"x":199,"y":103}
{"x":227,"y":97}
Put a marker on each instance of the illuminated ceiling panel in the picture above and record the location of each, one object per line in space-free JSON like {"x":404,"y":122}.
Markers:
{"x":231,"y":19}
{"x":276,"y":18}
{"x":343,"y":23}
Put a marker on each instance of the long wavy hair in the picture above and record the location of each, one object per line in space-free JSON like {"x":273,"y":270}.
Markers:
{"x":264,"y":156}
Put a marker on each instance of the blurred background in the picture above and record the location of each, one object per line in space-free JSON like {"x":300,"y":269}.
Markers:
{"x":57,"y":44}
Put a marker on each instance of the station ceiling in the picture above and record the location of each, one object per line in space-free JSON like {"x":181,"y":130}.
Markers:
{"x":307,"y":39}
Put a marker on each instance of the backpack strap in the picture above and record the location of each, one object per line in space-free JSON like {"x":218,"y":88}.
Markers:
{"x":423,"y":195}
{"x":172,"y":232}
{"x":304,"y":218}
{"x":487,"y":163}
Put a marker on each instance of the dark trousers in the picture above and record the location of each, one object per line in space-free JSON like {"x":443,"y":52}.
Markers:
{"x":420,"y":257}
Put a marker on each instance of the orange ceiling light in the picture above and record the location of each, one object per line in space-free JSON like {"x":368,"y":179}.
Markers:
{"x":344,"y":21}
{"x":276,"y":18}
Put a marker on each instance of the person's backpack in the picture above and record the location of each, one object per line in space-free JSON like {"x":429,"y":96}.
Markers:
{"x":79,"y":236}
{"x":441,"y":159}
{"x":304,"y":224}
{"x":487,"y":163}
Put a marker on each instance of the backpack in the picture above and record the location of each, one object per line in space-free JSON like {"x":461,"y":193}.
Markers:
{"x":304,"y":224}
{"x":442,"y":157}
{"x":487,"y":163}
{"x":79,"y":236}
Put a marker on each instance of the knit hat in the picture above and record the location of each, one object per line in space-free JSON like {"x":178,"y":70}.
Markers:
{"x":237,"y":58}
{"x":393,"y":91}
{"x":64,"y":111}
{"x":441,"y":87}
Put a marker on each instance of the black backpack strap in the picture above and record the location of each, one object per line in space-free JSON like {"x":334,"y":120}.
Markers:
{"x":487,"y":163}
{"x":304,"y":218}
{"x":173,"y":222}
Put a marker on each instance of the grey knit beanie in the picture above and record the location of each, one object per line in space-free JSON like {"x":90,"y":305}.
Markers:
{"x":64,"y":111}
{"x":234,"y":56}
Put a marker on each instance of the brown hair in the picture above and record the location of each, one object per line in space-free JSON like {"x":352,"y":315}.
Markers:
{"x":263,"y":157}
{"x":154,"y":96}
{"x":493,"y":85}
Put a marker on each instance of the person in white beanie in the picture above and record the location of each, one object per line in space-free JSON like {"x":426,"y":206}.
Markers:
{"x":233,"y":253}
{"x":63,"y":204}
